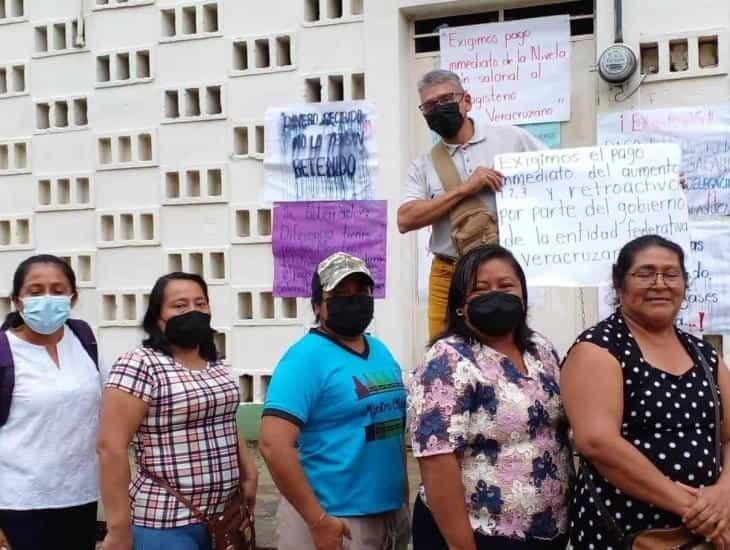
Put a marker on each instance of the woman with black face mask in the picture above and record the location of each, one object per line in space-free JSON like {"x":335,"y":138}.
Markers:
{"x":486,"y":420}
{"x":332,"y":428}
{"x":176,"y":400}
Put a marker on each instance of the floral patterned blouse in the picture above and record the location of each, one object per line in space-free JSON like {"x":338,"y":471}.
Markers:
{"x":507,"y":429}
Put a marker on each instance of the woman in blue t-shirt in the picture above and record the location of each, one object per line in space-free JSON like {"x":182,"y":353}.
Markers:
{"x":332,"y":429}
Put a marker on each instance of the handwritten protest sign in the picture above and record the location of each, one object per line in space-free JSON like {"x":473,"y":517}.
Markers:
{"x":305,"y":233}
{"x":517,"y":72}
{"x":322,"y":151}
{"x":550,"y":134}
{"x":566,"y":213}
{"x":704,"y":135}
{"x":706,"y":309}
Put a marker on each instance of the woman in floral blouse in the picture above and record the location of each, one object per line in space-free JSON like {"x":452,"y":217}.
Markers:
{"x":486,"y":419}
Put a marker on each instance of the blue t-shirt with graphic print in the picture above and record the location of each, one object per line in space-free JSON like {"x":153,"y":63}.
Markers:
{"x":350,"y":409}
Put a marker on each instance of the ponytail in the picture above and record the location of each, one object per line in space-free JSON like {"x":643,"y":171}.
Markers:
{"x":12,"y":320}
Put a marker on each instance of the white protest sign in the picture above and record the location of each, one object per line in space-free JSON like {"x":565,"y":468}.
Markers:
{"x":704,"y":135}
{"x":706,"y":308}
{"x":516,"y":72}
{"x":320,"y":151}
{"x":566,"y":213}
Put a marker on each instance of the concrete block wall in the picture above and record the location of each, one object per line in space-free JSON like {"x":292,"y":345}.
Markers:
{"x":131,"y":144}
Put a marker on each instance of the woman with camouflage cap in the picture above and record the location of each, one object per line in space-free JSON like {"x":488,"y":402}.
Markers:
{"x":332,"y":429}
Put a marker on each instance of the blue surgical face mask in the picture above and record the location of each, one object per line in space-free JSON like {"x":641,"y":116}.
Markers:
{"x":45,"y":314}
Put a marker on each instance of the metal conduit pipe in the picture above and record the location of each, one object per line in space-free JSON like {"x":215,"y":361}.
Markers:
{"x":618,"y":34}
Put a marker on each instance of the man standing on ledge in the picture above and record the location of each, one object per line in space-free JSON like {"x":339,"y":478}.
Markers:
{"x":472,"y":146}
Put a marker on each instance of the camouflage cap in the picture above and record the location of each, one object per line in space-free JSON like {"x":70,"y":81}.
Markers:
{"x":339,"y":265}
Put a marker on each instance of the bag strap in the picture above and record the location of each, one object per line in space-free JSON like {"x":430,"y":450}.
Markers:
{"x":450,"y":179}
{"x":716,"y":405}
{"x":7,"y":377}
{"x":86,"y":336}
{"x":588,"y":469}
{"x":183,"y":499}
{"x":177,"y":494}
{"x":445,"y":167}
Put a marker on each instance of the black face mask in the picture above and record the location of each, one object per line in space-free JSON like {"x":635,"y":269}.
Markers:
{"x":446,"y":119}
{"x":495,"y":313}
{"x":349,"y":316}
{"x":188,"y":330}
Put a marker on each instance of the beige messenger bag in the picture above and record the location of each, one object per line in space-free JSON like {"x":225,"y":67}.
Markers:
{"x":472,"y":223}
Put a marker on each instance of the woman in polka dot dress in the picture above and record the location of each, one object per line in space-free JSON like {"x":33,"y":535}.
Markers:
{"x":643,"y":412}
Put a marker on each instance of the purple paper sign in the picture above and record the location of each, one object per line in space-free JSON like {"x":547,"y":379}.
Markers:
{"x":305,"y":233}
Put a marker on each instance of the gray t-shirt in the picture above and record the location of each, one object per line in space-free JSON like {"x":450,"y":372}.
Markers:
{"x":487,"y":142}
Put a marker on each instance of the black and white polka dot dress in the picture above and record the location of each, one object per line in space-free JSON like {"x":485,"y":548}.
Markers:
{"x":669,"y":418}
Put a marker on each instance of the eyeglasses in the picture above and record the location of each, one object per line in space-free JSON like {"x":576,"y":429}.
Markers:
{"x":430,"y":105}
{"x":647,"y":278}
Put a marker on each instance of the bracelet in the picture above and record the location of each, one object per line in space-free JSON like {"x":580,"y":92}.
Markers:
{"x":318,"y":521}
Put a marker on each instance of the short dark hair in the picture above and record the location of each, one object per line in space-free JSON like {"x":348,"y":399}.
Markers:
{"x":317,"y":290}
{"x":317,"y":294}
{"x":156,"y":338}
{"x":627,"y":256}
{"x":462,"y":284}
{"x":14,"y":319}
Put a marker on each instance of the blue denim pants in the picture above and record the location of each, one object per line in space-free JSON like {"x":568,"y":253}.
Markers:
{"x":189,"y":537}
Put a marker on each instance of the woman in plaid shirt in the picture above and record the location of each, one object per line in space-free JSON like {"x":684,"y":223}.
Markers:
{"x":176,"y":400}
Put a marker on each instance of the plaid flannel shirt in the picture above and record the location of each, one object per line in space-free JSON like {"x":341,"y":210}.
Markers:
{"x":189,"y":436}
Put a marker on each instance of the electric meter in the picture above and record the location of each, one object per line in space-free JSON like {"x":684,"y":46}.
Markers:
{"x":617,"y":63}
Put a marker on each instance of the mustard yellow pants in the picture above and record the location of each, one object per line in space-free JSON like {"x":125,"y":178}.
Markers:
{"x":439,"y":282}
